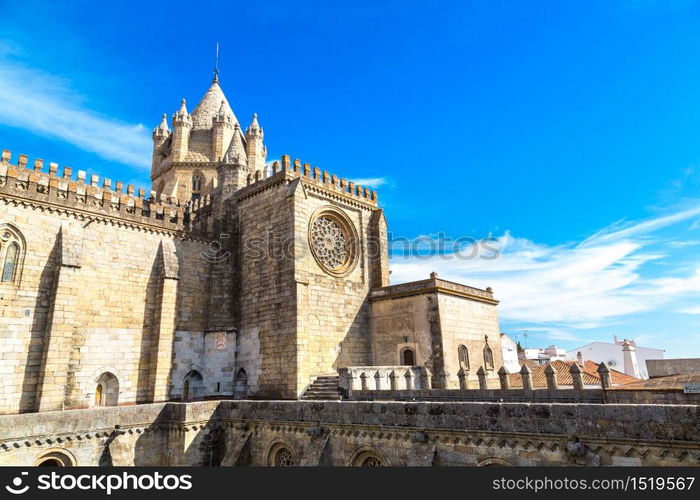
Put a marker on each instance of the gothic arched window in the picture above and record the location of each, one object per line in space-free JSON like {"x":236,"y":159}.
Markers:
{"x":107,"y":390}
{"x":488,"y":358}
{"x":463,"y":355}
{"x":10,"y":264}
{"x":196,"y":186}
{"x":11,"y":250}
{"x":408,"y":357}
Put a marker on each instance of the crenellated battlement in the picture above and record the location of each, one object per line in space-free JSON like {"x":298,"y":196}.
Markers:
{"x":314,"y":176}
{"x":112,"y":200}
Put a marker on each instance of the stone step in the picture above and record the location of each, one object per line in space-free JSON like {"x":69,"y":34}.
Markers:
{"x":325,"y":387}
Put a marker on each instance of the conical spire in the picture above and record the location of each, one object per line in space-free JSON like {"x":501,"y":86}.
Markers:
{"x":254,"y":129}
{"x":162,"y":129}
{"x":211,"y":106}
{"x":181,"y":114}
{"x":236,"y":150}
{"x":254,"y":124}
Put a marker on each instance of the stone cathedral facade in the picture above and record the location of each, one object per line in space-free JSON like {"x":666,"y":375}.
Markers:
{"x":235,"y":277}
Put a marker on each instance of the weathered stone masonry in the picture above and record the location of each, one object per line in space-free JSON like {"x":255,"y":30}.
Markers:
{"x":232,"y":433}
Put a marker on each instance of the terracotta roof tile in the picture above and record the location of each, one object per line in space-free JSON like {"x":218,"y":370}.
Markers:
{"x":588,"y":372}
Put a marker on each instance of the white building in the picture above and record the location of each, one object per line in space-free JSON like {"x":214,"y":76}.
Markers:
{"x":509,"y":350}
{"x":623,"y":356}
{"x":544,"y":356}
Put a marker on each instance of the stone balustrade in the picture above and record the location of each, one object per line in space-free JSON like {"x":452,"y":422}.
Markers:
{"x":410,"y":383}
{"x":380,"y":378}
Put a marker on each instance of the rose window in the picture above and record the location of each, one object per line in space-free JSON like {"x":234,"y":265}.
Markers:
{"x":331,"y":237}
{"x":372,"y":462}
{"x":329,"y":243}
{"x":284,"y":458}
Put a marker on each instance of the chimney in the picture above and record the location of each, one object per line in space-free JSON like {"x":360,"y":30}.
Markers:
{"x":629,"y":356}
{"x":579,"y":358}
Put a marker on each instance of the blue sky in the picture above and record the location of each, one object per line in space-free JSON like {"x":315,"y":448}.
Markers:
{"x":568,"y":131}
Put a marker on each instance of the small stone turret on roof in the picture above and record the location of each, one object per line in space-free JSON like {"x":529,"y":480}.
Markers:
{"x":254,"y":128}
{"x":181,"y":114}
{"x":236,"y":150}
{"x":162,"y":129}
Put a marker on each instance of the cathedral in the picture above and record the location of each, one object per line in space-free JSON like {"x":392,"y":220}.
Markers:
{"x":235,"y":277}
{"x":241,"y":313}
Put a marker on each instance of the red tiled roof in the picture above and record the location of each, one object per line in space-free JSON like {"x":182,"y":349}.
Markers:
{"x":589,"y":374}
{"x":618,"y":378}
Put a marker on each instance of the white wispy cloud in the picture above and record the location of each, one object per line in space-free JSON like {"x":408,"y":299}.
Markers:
{"x":576,"y":285}
{"x":45,"y":105}
{"x":371,"y":182}
{"x":690,"y":310}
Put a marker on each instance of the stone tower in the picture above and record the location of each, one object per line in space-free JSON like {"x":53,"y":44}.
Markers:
{"x":187,"y":160}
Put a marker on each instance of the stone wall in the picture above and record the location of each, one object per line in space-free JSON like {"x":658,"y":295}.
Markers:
{"x":434,"y":318}
{"x":669,"y":367}
{"x":94,"y":294}
{"x":333,"y":312}
{"x":402,"y":323}
{"x":468,"y":322}
{"x":342,"y":433}
{"x":267,"y":296}
{"x":296,"y":320}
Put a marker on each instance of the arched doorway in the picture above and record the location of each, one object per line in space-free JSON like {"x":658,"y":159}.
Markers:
{"x":240,"y":385}
{"x":408,"y":357}
{"x":107,"y":390}
{"x":193,"y":386}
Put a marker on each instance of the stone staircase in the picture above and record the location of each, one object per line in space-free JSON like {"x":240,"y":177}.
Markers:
{"x":325,"y":387}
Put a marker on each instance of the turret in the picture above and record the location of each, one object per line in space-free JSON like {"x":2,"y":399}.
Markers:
{"x":236,"y":153}
{"x":160,"y":135}
{"x":255,"y":149}
{"x":182,"y":124}
{"x":233,"y":171}
{"x":222,"y":131}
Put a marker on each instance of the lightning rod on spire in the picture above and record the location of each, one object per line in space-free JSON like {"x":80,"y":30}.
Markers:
{"x":216,"y":63}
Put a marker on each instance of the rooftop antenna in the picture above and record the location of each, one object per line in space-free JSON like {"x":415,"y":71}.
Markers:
{"x":525,"y":332}
{"x":216,"y":63}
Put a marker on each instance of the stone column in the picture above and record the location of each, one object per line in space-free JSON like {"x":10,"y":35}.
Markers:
{"x":526,"y":375}
{"x":605,"y":378}
{"x":576,"y":376}
{"x":503,"y":378}
{"x":59,"y":340}
{"x":63,"y":320}
{"x":363,"y":381}
{"x":162,"y":359}
{"x":427,"y":379}
{"x":394,"y":381}
{"x":410,"y":379}
{"x":463,"y":377}
{"x":481,"y":374}
{"x":551,"y":374}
